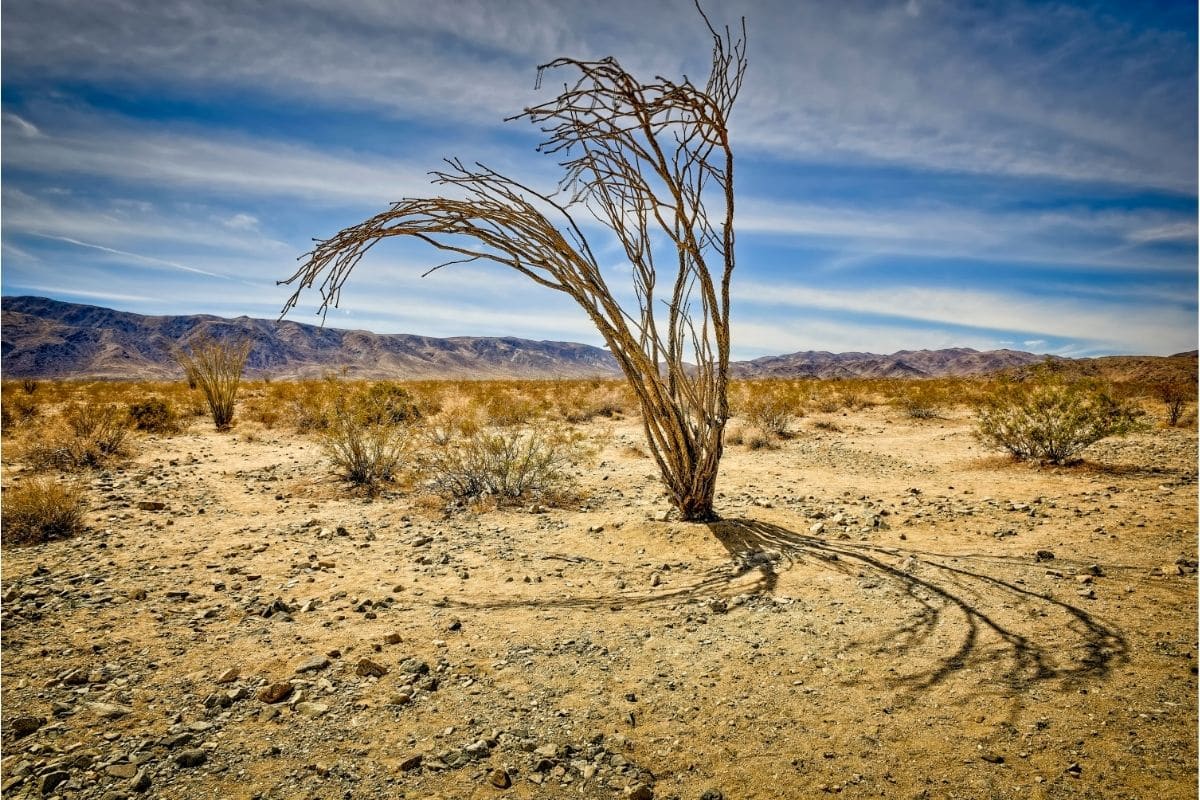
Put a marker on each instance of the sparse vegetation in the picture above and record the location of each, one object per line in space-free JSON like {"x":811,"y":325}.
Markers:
{"x":508,"y":466}
{"x":42,"y":509}
{"x":365,"y":446}
{"x":1051,"y":418}
{"x":921,"y":400}
{"x":216,"y":367}
{"x":1175,"y":396}
{"x":29,"y":385}
{"x":153,"y":415}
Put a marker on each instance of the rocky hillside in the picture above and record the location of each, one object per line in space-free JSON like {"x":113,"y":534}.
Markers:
{"x":50,"y":339}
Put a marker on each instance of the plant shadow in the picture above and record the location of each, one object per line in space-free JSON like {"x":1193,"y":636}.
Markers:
{"x":989,"y":621}
{"x":937,"y":586}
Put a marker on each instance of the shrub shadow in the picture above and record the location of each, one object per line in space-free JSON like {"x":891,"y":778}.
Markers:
{"x":937,"y":587}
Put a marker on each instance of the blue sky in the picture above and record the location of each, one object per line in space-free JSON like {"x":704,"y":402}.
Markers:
{"x":911,"y":174}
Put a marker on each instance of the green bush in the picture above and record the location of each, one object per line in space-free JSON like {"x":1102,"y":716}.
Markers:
{"x":40,"y":510}
{"x":1051,"y":418}
{"x":154,"y":415}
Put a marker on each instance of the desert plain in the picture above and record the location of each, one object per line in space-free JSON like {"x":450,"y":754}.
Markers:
{"x":887,"y":608}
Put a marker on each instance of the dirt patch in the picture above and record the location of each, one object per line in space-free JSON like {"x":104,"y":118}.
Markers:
{"x":886,"y":610}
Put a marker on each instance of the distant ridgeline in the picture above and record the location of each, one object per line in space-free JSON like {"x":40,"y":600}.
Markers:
{"x":45,"y":338}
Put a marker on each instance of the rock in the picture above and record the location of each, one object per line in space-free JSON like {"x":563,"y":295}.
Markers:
{"x":151,"y":505}
{"x":368,"y":668}
{"x":717,"y":605}
{"x":712,"y":794}
{"x":140,"y":782}
{"x":992,"y":758}
{"x":392,"y":638}
{"x":400,"y":699}
{"x":500,"y":779}
{"x":313,"y":664}
{"x":122,"y":770}
{"x":640,"y":791}
{"x":228,"y":676}
{"x":413,"y":666}
{"x":1043,"y":555}
{"x":26,"y":724}
{"x":818,"y":528}
{"x":662,"y":516}
{"x":313,"y":710}
{"x":110,"y":710}
{"x":1074,"y":770}
{"x":51,"y":780}
{"x":276,"y":692}
{"x":655,"y":579}
{"x":192,"y":757}
{"x":412,"y":762}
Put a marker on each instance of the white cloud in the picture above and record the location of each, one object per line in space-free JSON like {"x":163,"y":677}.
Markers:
{"x":1118,"y":326}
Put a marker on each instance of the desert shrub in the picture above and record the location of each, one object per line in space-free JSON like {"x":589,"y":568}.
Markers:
{"x":19,"y":408}
{"x":1051,"y":418}
{"x":508,"y":466}
{"x":921,"y":400}
{"x":827,"y":425}
{"x":387,"y":404}
{"x":216,"y":367}
{"x":41,"y":509}
{"x":364,"y":450}
{"x":88,"y":435}
{"x":153,"y":415}
{"x":1175,"y":396}
{"x":770,"y":413}
{"x":29,"y":385}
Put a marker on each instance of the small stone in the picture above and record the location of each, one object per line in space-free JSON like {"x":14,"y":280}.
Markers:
{"x":655,"y":579}
{"x":192,"y":757}
{"x":151,"y":505}
{"x":140,"y":782}
{"x":400,"y":699}
{"x":662,"y":516}
{"x":313,"y":664}
{"x":1074,"y":770}
{"x":413,"y":666}
{"x":712,"y":794}
{"x":368,"y":668}
{"x":992,"y":758}
{"x":818,"y":528}
{"x":312,"y":710}
{"x":228,"y":676}
{"x":275,"y":692}
{"x":1043,"y":555}
{"x":500,"y":779}
{"x":51,"y":780}
{"x":412,"y":762}
{"x":392,"y":638}
{"x":640,"y":791}
{"x":26,"y":724}
{"x":122,"y":770}
{"x":110,"y":710}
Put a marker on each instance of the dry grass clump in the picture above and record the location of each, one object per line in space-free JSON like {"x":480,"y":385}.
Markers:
{"x":153,"y":415}
{"x":41,"y":509}
{"x":921,"y":399}
{"x":366,"y":448}
{"x":1052,"y":418}
{"x":508,"y":467}
{"x":86,"y":436}
{"x":17,"y":410}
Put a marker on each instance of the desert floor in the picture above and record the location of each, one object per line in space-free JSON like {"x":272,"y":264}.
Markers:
{"x":887,"y":610}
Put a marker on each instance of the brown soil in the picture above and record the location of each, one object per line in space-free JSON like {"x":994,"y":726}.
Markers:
{"x":872,"y":618}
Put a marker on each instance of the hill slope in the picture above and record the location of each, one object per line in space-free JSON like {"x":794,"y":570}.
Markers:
{"x":46,"y":338}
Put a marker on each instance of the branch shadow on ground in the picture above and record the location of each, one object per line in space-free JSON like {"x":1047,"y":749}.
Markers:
{"x":1082,"y":648}
{"x":962,"y":604}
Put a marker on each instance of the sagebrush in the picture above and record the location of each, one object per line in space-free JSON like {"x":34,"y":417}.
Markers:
{"x":42,"y":509}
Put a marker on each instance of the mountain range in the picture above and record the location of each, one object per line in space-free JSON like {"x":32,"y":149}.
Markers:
{"x":44,"y":338}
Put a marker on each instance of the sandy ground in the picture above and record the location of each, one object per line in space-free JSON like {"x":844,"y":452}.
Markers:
{"x":887,"y":610}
